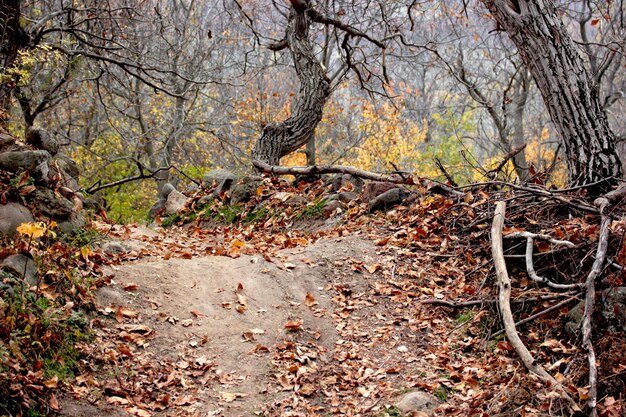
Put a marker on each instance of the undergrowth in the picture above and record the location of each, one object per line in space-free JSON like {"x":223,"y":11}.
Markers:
{"x":43,"y":324}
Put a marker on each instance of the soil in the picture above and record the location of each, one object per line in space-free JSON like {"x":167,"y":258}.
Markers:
{"x":216,"y":310}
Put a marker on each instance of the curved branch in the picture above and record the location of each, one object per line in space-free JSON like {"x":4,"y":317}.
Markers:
{"x":352,"y":31}
{"x":504,"y":304}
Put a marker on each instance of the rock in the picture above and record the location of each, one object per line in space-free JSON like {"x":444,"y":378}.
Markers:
{"x":347,"y":196}
{"x":113,"y":248}
{"x":243,"y":192}
{"x":389,"y":199}
{"x":6,"y":141}
{"x":22,"y":267}
{"x":614,"y":309}
{"x":417,"y":402}
{"x":376,"y":188}
{"x":41,"y":139}
{"x":93,"y":202}
{"x":68,"y":165}
{"x":166,"y":190}
{"x":34,"y":161}
{"x":51,"y":204}
{"x":223,"y":186}
{"x":192,"y":188}
{"x":574,"y":319}
{"x":296,"y":201}
{"x":11,"y":216}
{"x":75,"y":222}
{"x":176,"y":202}
{"x":217,"y":176}
{"x":67,"y":171}
{"x":332,"y":208}
{"x":342,"y":180}
{"x":158,"y":207}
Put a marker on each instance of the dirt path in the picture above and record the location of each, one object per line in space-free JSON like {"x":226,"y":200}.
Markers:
{"x":211,"y":335}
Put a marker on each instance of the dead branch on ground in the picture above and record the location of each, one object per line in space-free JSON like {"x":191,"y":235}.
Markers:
{"x":432,"y":186}
{"x":506,"y":159}
{"x":472,"y":303}
{"x":530,"y":267}
{"x":504,"y":295}
{"x":590,"y":296}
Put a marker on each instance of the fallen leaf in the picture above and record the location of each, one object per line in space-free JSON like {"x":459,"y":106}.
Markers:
{"x":136,"y":411}
{"x":293,"y":325}
{"x":197,"y":313}
{"x":309,"y":300}
{"x":232,"y":396}
{"x":52,"y":382}
{"x":54,"y":403}
{"x":118,"y":400}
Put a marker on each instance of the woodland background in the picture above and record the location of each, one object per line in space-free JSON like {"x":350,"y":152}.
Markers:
{"x":191,"y":84}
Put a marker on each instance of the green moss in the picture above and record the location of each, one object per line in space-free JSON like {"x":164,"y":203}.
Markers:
{"x":258,"y":215}
{"x":314,"y":209}
{"x":229,"y":214}
{"x":170,"y":220}
{"x":442,"y":393}
{"x":81,"y":237}
{"x":464,"y":317}
{"x":392,"y":411}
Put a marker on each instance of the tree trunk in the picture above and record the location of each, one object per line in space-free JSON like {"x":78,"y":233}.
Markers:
{"x":566,"y":87}
{"x":310,"y":151}
{"x":12,"y":39}
{"x":280,"y":139}
{"x":515,"y":118}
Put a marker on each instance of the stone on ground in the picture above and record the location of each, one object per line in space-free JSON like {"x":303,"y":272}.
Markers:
{"x":417,"y":402}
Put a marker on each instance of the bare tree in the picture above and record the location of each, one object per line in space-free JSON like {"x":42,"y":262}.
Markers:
{"x":568,"y":91}
{"x":280,"y":139}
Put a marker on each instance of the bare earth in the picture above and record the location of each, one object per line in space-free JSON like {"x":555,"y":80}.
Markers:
{"x":216,"y":322}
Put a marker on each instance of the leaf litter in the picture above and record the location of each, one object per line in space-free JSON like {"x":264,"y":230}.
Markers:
{"x":320,"y":320}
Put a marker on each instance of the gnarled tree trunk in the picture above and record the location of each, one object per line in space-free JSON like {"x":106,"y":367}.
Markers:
{"x":566,"y":87}
{"x":12,"y":39}
{"x":280,"y":139}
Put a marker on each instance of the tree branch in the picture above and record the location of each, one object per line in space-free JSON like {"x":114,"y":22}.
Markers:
{"x":141,"y":176}
{"x":590,"y":297}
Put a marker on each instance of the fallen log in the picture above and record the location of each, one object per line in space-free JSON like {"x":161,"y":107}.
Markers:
{"x":432,"y":186}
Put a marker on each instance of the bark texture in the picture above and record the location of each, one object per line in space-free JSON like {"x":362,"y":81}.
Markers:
{"x":566,"y":87}
{"x":12,"y":39}
{"x":280,"y":139}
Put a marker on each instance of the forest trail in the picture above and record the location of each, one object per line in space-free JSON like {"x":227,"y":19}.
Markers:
{"x":242,"y":335}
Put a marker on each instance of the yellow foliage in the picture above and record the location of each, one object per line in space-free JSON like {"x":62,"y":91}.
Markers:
{"x":388,"y":140}
{"x":32,"y":230}
{"x":541,"y":156}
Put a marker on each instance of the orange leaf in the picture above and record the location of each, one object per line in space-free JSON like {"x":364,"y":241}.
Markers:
{"x":52,"y":382}
{"x":309,"y":300}
{"x":197,"y":313}
{"x":54,"y":403}
{"x":293,"y":325}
